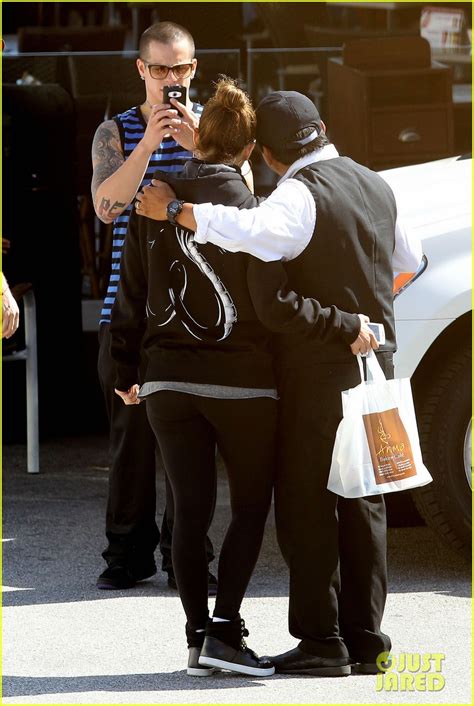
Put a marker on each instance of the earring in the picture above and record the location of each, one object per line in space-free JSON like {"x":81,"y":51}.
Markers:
{"x":142,"y":77}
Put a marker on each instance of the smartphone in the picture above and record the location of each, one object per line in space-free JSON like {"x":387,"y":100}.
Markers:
{"x":177,"y":92}
{"x":378,"y":331}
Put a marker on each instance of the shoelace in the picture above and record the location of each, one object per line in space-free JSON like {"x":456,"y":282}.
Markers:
{"x":243,"y":645}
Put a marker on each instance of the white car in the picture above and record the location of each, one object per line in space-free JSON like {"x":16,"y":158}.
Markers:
{"x":433,"y":322}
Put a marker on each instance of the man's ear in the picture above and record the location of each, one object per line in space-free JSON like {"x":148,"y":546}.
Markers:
{"x":267,"y":156}
{"x":323,"y":127}
{"x":194,"y":69}
{"x":273,"y":163}
{"x":141,"y":69}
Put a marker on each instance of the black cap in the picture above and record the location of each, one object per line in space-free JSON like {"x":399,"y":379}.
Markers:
{"x":281,"y":115}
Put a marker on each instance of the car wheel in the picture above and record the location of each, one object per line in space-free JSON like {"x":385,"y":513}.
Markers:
{"x":444,"y":422}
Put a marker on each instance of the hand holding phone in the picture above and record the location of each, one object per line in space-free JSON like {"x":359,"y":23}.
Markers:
{"x":177,"y":92}
{"x":371,"y":335}
{"x":379,"y":332}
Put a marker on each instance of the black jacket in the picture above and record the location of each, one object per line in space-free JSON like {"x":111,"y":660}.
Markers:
{"x":200,"y":324}
{"x":346,"y":266}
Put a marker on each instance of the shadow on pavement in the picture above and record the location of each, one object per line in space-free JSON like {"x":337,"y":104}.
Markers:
{"x":53,"y":536}
{"x":160,"y":681}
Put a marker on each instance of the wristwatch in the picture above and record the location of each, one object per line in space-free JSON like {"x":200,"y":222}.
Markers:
{"x":173,"y":210}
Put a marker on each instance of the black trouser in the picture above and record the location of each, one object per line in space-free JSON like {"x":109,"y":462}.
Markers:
{"x":187,"y":428}
{"x":131,"y":527}
{"x":335,"y":548}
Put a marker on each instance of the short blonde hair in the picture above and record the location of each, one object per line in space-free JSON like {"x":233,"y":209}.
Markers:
{"x":165,"y":33}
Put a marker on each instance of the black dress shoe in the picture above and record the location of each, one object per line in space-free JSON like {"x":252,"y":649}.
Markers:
{"x":118,"y":576}
{"x":371,"y":667}
{"x":298,"y":662}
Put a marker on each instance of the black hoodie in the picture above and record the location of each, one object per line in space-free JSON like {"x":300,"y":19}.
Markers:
{"x":188,"y":304}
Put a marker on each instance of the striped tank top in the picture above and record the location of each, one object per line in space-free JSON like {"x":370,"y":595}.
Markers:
{"x":169,"y":157}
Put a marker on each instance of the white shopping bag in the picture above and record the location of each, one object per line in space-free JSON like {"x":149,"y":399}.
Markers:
{"x":377,"y":449}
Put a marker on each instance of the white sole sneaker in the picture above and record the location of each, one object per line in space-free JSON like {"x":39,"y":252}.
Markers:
{"x":200,"y":671}
{"x":194,"y":669}
{"x":238,"y":668}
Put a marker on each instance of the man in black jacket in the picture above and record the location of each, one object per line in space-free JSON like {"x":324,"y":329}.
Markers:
{"x":334,"y":223}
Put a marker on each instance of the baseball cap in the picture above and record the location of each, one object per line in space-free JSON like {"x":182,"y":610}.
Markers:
{"x":281,"y":115}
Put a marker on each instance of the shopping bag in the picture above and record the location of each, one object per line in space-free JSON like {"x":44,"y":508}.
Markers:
{"x":377,"y":449}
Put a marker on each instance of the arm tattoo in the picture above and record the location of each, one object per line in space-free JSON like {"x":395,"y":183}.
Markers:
{"x":117,"y":206}
{"x":105,"y":209}
{"x":107,"y":155}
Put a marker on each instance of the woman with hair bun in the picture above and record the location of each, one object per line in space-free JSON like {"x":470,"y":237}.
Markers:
{"x":209,"y":381}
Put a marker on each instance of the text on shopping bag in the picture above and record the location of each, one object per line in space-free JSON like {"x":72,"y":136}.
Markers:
{"x":389,"y":445}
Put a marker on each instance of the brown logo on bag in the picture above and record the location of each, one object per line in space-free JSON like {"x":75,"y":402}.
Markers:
{"x":389,"y":445}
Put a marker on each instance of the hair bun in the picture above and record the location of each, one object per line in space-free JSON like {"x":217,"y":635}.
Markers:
{"x":227,"y":123}
{"x":229,"y":95}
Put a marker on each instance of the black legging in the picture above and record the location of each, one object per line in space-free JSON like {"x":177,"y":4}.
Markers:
{"x":187,"y":428}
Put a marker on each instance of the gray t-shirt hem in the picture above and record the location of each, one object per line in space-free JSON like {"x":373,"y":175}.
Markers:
{"x":224,"y":392}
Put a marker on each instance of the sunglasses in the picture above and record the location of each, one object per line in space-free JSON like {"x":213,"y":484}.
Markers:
{"x":161,"y":71}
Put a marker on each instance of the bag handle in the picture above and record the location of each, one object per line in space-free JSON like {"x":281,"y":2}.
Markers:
{"x":372,"y":365}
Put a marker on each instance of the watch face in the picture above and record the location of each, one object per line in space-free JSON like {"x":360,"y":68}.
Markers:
{"x":173,"y":208}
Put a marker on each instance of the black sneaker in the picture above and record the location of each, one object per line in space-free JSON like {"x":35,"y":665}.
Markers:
{"x":212,"y":583}
{"x":224,"y":647}
{"x":194,"y":669}
{"x":118,"y":576}
{"x":145,"y":570}
{"x":195,"y":641}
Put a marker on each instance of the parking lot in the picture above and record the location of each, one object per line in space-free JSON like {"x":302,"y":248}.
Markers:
{"x":64,"y":641}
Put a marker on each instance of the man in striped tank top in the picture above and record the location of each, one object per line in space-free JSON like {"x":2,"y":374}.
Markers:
{"x":125,"y":153}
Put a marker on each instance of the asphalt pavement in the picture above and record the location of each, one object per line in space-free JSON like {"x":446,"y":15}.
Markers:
{"x":66,"y":642}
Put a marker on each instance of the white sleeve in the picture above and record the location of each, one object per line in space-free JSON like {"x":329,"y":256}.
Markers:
{"x":408,"y":252}
{"x":280,"y":228}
